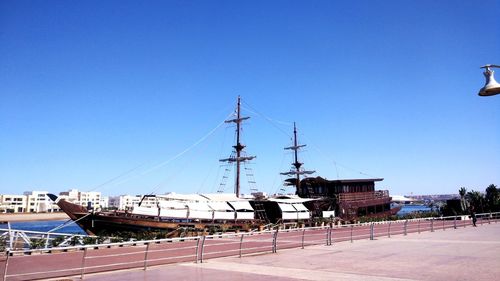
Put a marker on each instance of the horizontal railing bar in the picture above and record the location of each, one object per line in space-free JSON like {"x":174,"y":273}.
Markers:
{"x":42,"y":272}
{"x":169,"y":258}
{"x":114,"y":255}
{"x":114,"y":264}
{"x":45,"y":233}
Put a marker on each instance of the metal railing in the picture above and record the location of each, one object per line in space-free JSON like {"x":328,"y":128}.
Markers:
{"x":24,"y":239}
{"x":82,"y":260}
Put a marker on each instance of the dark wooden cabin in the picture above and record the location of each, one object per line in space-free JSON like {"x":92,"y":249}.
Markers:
{"x":353,"y":197}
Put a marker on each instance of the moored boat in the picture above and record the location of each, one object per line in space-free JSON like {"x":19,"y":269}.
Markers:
{"x":172,"y":213}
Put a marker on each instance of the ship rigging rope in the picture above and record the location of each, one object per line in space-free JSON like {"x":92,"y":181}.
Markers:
{"x":162,"y":163}
{"x":68,"y":222}
{"x":271,"y":121}
{"x":177,"y":155}
{"x":323,"y":154}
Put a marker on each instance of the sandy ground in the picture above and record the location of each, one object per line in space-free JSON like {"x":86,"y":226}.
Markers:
{"x":32,"y":217}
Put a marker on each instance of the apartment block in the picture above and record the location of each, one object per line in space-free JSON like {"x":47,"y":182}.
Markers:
{"x":12,"y":203}
{"x":39,"y":202}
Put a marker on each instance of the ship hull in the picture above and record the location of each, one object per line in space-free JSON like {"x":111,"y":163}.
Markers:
{"x":109,"y":223}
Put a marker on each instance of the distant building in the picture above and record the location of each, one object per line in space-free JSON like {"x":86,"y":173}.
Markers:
{"x":104,"y":203}
{"x":12,"y":203}
{"x":83,"y":198}
{"x":434,"y":197}
{"x":124,"y":202}
{"x":400,"y":199}
{"x":39,"y":202}
{"x":71,"y":195}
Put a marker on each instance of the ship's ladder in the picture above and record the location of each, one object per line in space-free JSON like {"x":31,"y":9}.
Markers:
{"x":223,"y":182}
{"x":252,"y":184}
{"x":260,"y":212}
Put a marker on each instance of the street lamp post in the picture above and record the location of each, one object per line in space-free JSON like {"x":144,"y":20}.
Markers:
{"x":491,"y":87}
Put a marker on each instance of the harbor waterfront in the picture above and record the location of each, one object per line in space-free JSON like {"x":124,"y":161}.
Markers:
{"x":44,"y":226}
{"x":462,"y":254}
{"x":47,"y":221}
{"x":473,"y":252}
{"x":32,"y":217}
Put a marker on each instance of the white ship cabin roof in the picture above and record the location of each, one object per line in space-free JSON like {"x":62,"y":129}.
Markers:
{"x":241,"y":205}
{"x":172,"y":204}
{"x":220,"y":206}
{"x":206,"y":197}
{"x":294,"y":200}
{"x":292,"y":208}
{"x":300,"y":207}
{"x":286,"y":207}
{"x":199,"y":206}
{"x":183,"y":197}
{"x":221,"y":197}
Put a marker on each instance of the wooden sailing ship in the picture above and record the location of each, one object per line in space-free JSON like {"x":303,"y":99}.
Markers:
{"x":315,"y":197}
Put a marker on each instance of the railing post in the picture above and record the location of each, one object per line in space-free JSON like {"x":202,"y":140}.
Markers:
{"x":303,"y":235}
{"x":331,"y":234}
{"x":432,"y":225}
{"x":405,"y":227}
{"x":489,"y":221}
{"x":83,"y":263}
{"x":327,"y":237}
{"x":147,"y":252}
{"x":202,"y":248}
{"x":241,"y":243}
{"x":352,"y":226}
{"x":389,"y":230}
{"x":275,"y":243}
{"x":455,"y":222}
{"x":6,"y":266}
{"x":371,"y":231}
{"x":47,"y":240}
{"x":11,"y":238}
{"x":443,"y":224}
{"x":197,"y":249}
{"x":418,"y":225}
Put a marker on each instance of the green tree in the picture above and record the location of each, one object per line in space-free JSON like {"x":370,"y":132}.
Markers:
{"x":36,"y":243}
{"x":463,"y":202}
{"x":492,"y":198}
{"x":476,"y":200}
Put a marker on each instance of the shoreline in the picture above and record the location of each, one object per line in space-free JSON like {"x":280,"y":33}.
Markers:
{"x":20,"y":217}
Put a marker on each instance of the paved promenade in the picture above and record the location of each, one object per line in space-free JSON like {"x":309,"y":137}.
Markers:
{"x":471,"y":253}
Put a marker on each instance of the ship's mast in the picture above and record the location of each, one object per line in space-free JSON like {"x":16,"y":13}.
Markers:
{"x":238,"y":147}
{"x":296,"y":163}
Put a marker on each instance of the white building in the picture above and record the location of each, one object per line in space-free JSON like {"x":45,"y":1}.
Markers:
{"x":39,"y":202}
{"x":12,"y":203}
{"x":104,"y":203}
{"x":83,"y":198}
{"x":127,"y":202}
{"x":71,"y":195}
{"x":93,"y":198}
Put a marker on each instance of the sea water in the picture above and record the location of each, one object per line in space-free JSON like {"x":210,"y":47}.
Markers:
{"x":406,"y":209}
{"x":44,"y":226}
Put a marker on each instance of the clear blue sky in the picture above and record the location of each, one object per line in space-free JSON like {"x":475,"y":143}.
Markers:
{"x":90,"y":90}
